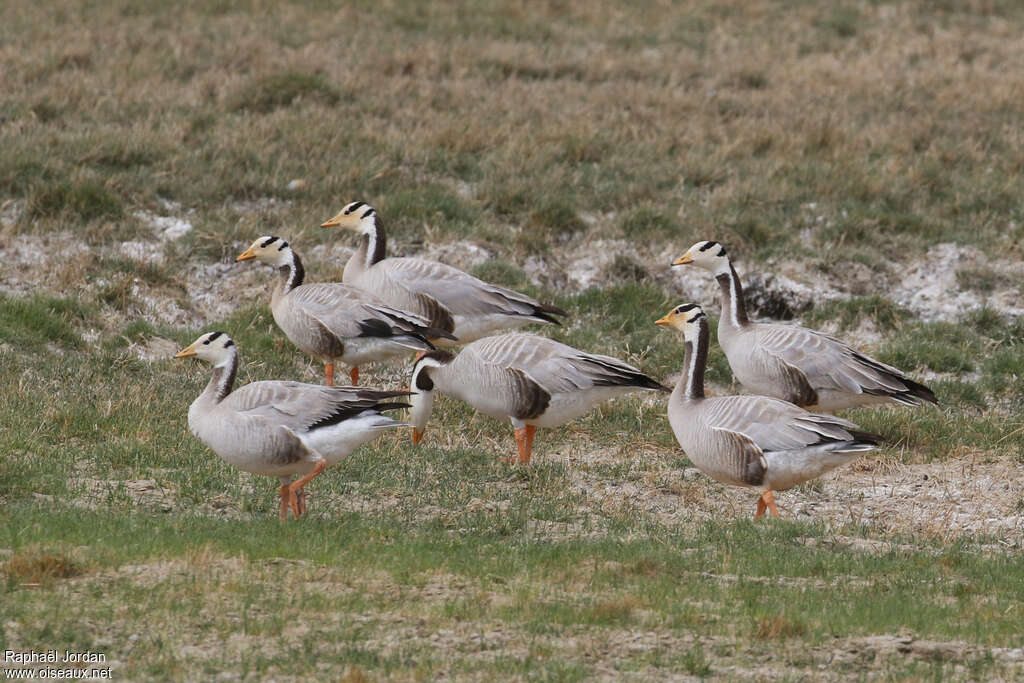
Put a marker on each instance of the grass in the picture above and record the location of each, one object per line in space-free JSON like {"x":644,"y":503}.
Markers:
{"x":860,"y":134}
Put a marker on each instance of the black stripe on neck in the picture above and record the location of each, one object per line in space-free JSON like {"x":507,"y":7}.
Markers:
{"x":224,"y":377}
{"x":294,"y":272}
{"x":697,"y":361}
{"x":378,"y":242}
{"x":732,"y":295}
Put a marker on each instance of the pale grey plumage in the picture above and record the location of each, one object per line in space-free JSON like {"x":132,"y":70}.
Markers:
{"x":449,"y":298}
{"x":754,"y":441}
{"x":335,"y":321}
{"x":281,"y":428}
{"x":796,"y":364}
{"x":532,"y":381}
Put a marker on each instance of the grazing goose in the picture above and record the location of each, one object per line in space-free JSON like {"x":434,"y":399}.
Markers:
{"x":281,"y":429}
{"x":452,"y":300}
{"x":332,"y":321}
{"x":533,"y":381}
{"x":793,"y":363}
{"x":753,"y":441}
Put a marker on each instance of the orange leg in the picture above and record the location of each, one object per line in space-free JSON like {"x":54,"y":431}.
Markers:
{"x":301,"y":498}
{"x":417,"y":436}
{"x":354,"y":375}
{"x":296,"y":486}
{"x":524,"y":442}
{"x":520,"y":435}
{"x":766,"y":502}
{"x":419,"y":354}
{"x":530,"y":431}
{"x":329,"y":372}
{"x":283,"y":492}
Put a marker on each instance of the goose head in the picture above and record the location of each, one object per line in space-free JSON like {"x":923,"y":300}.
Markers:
{"x":274,"y":251}
{"x":422,"y":386}
{"x":216,"y":348}
{"x":356,"y":216}
{"x":708,"y":255}
{"x":687,"y":318}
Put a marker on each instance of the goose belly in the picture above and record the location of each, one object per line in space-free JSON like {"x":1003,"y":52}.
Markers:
{"x":337,"y":441}
{"x":470,"y":328}
{"x":786,"y":469}
{"x":703,"y":458}
{"x":242,"y":450}
{"x":569,"y":405}
{"x":361,"y":350}
{"x":487,"y":398}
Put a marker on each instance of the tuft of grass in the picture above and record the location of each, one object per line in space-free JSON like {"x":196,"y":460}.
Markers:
{"x":554,"y":221}
{"x":981,"y":279}
{"x":264,"y":94}
{"x":501,"y":273}
{"x":34,"y":566}
{"x":849,"y":313}
{"x":31,"y":323}
{"x":649,"y":223}
{"x":777,"y":627}
{"x":938,"y":346}
{"x":84,"y":199}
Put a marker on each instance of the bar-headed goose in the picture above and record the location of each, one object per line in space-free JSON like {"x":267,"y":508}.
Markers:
{"x":530,"y":380}
{"x":336,"y":322}
{"x":790,"y":362}
{"x":281,"y":429}
{"x":451,"y":299}
{"x":754,"y":441}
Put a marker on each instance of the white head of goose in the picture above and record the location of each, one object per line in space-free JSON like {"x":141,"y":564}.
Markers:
{"x":281,"y":429}
{"x":333,"y":321}
{"x":451,"y":299}
{"x":532,"y":381}
{"x":790,"y":362}
{"x":754,"y":441}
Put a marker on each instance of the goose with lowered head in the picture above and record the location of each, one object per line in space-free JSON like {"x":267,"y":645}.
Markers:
{"x":529,"y":380}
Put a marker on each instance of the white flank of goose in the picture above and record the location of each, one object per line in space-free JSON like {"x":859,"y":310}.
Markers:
{"x":532,"y":381}
{"x":802,"y":366}
{"x":453,"y":301}
{"x":331,"y":321}
{"x":755,"y":441}
{"x":282,"y":429}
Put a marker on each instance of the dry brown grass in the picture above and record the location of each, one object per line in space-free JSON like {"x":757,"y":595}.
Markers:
{"x":897,"y":121}
{"x":36,"y":566}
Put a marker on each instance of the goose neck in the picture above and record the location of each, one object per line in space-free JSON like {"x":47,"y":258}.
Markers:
{"x":734,"y":311}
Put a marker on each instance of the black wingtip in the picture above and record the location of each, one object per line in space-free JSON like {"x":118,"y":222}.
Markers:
{"x":438,"y":333}
{"x":552,"y":309}
{"x":381,"y":407}
{"x":920,"y":392}
{"x":866,"y":438}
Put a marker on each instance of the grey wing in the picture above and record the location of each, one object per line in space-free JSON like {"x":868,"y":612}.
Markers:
{"x":459,"y":292}
{"x":300,"y":407}
{"x":775,"y":425}
{"x":828,"y":363}
{"x":350,"y":312}
{"x":557,"y":367}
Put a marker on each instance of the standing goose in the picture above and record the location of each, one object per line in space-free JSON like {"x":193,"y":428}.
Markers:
{"x":332,"y":321}
{"x":753,"y":441}
{"x":533,"y":381}
{"x":452,"y":300}
{"x":793,"y":363}
{"x":281,"y":429}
